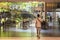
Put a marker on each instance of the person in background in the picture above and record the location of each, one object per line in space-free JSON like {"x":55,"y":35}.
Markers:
{"x":38,"y":25}
{"x":59,"y":22}
{"x":50,"y":18}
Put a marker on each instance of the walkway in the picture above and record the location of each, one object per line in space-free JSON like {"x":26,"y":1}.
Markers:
{"x":31,"y":38}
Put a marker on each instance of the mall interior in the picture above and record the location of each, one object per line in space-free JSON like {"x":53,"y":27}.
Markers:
{"x":17,"y":17}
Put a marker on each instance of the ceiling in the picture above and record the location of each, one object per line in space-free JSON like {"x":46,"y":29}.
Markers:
{"x":31,"y":0}
{"x":50,"y":4}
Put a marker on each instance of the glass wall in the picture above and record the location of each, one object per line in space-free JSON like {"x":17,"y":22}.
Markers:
{"x":17,"y":16}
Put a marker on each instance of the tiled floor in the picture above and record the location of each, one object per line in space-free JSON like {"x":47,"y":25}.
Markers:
{"x":31,"y":38}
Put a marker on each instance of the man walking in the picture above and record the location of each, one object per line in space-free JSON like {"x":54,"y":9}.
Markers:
{"x":38,"y":25}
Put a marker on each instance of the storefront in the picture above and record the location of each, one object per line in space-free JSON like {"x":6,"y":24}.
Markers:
{"x":17,"y":8}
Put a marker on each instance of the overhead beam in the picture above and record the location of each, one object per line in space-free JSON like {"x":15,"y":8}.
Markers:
{"x":30,"y":0}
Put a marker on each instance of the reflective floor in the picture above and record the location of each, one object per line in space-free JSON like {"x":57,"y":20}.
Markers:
{"x":30,"y":38}
{"x":13,"y":32}
{"x":30,"y":32}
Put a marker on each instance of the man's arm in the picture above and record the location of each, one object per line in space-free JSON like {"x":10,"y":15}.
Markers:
{"x":41,"y":19}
